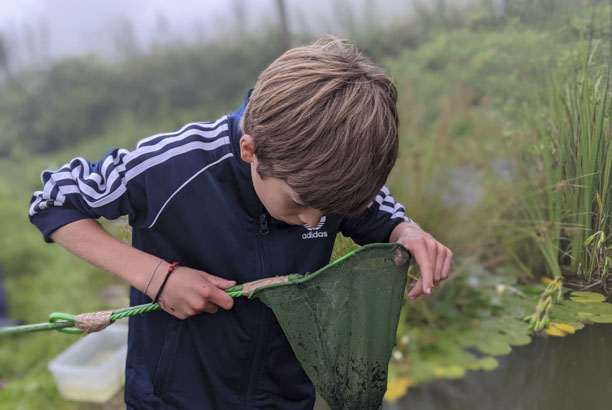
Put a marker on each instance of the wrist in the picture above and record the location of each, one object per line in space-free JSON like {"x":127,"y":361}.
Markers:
{"x":404,"y":228}
{"x":152,"y":276}
{"x":174,"y":266}
{"x":411,"y":223}
{"x":157,"y":279}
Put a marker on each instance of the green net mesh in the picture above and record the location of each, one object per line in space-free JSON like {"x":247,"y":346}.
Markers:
{"x":341,"y":322}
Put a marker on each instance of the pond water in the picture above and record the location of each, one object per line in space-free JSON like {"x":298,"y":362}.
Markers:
{"x":569,"y":373}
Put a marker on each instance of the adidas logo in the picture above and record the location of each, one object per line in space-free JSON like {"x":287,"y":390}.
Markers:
{"x":315,"y":232}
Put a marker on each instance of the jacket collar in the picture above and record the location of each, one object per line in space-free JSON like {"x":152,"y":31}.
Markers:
{"x":245,"y":182}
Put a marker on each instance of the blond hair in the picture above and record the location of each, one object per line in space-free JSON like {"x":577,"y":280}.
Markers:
{"x":324,"y":120}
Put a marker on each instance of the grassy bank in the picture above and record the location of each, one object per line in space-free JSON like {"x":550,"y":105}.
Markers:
{"x":497,"y":112}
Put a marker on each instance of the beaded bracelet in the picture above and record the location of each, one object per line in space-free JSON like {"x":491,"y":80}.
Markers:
{"x":171,"y":269}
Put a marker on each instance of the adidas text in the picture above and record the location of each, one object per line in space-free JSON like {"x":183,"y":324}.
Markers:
{"x":314,"y":234}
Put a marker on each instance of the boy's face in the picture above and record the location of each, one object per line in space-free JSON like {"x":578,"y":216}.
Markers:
{"x":279,"y":199}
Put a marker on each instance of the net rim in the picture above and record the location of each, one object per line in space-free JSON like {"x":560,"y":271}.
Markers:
{"x":296,"y":278}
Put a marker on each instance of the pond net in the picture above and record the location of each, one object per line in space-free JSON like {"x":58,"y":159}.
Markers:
{"x":341,"y":322}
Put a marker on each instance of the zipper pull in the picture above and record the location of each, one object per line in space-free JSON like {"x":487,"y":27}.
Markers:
{"x":263,"y":224}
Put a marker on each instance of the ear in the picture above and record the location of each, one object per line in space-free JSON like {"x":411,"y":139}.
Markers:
{"x":247,"y":148}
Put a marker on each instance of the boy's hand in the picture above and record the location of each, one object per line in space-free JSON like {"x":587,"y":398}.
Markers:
{"x":189,"y":292}
{"x":433,"y":258}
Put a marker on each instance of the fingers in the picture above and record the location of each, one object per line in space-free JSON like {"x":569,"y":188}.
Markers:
{"x":434,"y":261}
{"x":219,"y":298}
{"x":219,"y":282}
{"x":439,"y":256}
{"x":447,"y":264}
{"x":211,"y":308}
{"x":422,"y":258}
{"x":417,"y":289}
{"x":190,"y":292}
{"x":216,"y":295}
{"x":432,"y":252}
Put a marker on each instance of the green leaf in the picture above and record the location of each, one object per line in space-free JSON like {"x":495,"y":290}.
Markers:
{"x":595,"y":312}
{"x":588,"y":240}
{"x":587,"y":297}
{"x":485,"y":337}
{"x":449,"y":372}
{"x":595,"y":317}
{"x":563,"y":313}
{"x":486,"y":363}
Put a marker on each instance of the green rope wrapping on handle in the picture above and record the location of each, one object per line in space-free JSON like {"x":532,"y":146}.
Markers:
{"x":133,"y":311}
{"x":64,"y":322}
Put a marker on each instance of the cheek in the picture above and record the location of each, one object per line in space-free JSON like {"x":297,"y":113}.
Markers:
{"x":280,"y":210}
{"x":273,"y":203}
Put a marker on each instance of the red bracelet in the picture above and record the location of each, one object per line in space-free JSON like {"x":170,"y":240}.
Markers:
{"x":171,"y":269}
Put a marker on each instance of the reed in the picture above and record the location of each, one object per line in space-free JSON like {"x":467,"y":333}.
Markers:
{"x":568,"y":212}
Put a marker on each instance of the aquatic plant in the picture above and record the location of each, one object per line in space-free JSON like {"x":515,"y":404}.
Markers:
{"x":567,"y":213}
{"x":479,"y":316}
{"x":553,"y":293}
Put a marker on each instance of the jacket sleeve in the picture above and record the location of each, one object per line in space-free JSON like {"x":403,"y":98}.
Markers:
{"x":80,"y":189}
{"x":377,"y":222}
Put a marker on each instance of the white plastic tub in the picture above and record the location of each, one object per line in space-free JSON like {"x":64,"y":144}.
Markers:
{"x":92,"y":369}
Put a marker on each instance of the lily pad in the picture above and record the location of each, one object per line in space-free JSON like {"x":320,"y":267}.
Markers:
{"x":486,"y":338}
{"x":449,"y":372}
{"x":553,"y":331}
{"x":595,"y":317}
{"x":597,"y":312}
{"x":482,"y":312}
{"x":565,"y":328}
{"x":516,"y":307}
{"x":587,"y":297}
{"x":486,"y":363}
{"x":516,"y":331}
{"x":397,"y":387}
{"x":566,"y":314}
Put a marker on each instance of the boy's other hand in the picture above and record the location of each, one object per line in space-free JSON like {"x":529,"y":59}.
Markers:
{"x":433,"y":258}
{"x":189,"y":292}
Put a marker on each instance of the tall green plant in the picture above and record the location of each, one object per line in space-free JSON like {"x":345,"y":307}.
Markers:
{"x":569,"y":213}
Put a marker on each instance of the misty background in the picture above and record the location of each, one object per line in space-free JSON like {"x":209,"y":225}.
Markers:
{"x":484,"y":88}
{"x":36,"y":31}
{"x":72,"y":71}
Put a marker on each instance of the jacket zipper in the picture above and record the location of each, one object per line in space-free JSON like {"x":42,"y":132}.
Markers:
{"x":255,"y":364}
{"x":263,"y":228}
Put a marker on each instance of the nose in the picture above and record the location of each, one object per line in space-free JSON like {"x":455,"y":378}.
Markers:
{"x":311,"y":217}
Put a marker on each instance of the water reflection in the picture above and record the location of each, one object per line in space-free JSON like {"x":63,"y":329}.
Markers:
{"x":550,"y":373}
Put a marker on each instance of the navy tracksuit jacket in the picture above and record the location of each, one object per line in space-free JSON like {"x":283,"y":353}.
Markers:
{"x":189,"y":198}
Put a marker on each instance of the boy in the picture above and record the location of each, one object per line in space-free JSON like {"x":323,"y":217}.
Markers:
{"x":260,"y":192}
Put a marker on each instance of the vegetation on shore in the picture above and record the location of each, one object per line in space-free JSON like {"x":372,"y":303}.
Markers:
{"x":505,"y":157}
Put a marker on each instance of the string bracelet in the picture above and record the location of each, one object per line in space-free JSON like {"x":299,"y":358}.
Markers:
{"x":152,"y":275}
{"x":171,"y":269}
